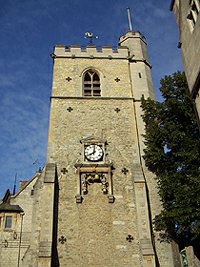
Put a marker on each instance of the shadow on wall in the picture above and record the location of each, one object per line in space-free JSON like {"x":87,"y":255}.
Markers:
{"x":54,"y":258}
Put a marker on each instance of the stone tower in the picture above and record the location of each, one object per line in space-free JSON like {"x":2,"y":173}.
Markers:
{"x":91,"y":205}
{"x":95,"y":142}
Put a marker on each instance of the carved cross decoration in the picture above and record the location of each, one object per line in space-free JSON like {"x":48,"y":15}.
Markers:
{"x":62,"y":239}
{"x":117,"y":79}
{"x":117,"y":110}
{"x":129,"y":238}
{"x":64,"y":170}
{"x":124,"y":170}
{"x":69,"y":109}
{"x":68,"y":79}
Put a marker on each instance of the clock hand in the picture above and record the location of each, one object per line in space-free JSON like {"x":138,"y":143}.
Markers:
{"x":93,"y":152}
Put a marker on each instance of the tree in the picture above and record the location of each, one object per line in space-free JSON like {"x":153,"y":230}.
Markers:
{"x":173,"y":153}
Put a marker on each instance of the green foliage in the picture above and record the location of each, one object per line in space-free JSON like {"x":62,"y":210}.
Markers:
{"x":173,"y":154}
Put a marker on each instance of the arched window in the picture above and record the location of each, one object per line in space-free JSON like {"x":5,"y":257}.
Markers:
{"x":91,"y":84}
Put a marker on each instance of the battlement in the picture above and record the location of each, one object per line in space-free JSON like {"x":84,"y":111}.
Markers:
{"x":90,"y":51}
{"x":131,"y":34}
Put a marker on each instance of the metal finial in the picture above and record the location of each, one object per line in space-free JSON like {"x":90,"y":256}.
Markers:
{"x":14,"y":188}
{"x":90,"y":35}
{"x":129,"y":19}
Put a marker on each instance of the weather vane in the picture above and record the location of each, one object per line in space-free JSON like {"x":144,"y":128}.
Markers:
{"x":91,"y":36}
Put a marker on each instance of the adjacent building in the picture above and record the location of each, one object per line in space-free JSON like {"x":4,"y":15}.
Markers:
{"x":187,"y":13}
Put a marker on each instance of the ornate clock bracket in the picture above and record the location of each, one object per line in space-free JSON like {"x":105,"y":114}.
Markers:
{"x":90,"y":174}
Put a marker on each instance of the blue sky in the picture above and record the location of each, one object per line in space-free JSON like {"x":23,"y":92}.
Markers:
{"x":29,"y":30}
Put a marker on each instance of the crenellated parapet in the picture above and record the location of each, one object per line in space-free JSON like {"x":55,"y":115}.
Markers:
{"x":90,"y":51}
{"x":132,"y":46}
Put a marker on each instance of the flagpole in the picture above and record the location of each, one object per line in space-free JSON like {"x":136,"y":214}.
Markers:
{"x":129,"y":19}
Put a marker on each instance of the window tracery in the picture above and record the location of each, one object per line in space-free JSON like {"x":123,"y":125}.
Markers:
{"x":91,"y":84}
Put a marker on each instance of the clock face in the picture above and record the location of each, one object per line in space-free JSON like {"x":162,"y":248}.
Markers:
{"x":93,"y":152}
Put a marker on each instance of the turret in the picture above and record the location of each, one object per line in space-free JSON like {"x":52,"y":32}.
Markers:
{"x":140,"y":68}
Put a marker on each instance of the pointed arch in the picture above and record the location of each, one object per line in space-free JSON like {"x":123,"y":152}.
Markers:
{"x":91,"y":83}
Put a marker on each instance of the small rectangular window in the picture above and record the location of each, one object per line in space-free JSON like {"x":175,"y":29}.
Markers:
{"x":197,"y":4}
{"x":191,"y":20}
{"x":8,"y":222}
{"x":193,"y":14}
{"x":184,"y":258}
{"x":195,"y":9}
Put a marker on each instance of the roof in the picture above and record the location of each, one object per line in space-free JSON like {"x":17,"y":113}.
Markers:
{"x":26,"y":183}
{"x":6,"y":196}
{"x":9,"y":207}
{"x":172,"y":4}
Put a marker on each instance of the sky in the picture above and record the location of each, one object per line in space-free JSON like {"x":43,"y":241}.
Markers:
{"x":29,"y":29}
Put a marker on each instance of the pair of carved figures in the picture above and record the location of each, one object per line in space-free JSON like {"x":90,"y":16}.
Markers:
{"x":91,"y":178}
